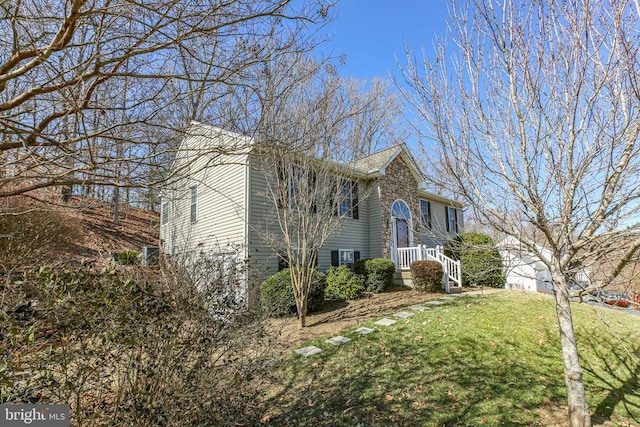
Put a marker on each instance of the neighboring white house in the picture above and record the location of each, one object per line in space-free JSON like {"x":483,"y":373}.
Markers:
{"x":218,"y":206}
{"x":525,"y":270}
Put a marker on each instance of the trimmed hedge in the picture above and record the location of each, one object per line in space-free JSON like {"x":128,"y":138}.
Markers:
{"x":360,"y":268}
{"x":479,"y":258}
{"x":276,"y":294}
{"x":427,"y":275}
{"x":343,"y":284}
{"x":380,"y":272}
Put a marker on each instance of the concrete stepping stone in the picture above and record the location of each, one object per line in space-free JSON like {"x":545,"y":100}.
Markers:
{"x":419,"y":308}
{"x":385,"y":322}
{"x":448,"y":298}
{"x":435,"y":302}
{"x":339,"y":340}
{"x":364,"y":331}
{"x":404,"y":314}
{"x":308,"y":351}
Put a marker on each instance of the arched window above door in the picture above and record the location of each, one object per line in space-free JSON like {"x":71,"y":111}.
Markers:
{"x":399,"y":209}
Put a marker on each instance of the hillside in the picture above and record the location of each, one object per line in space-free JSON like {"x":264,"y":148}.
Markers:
{"x":42,"y":231}
{"x":99,"y":236}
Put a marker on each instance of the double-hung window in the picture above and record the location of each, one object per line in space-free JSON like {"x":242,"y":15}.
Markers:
{"x":164,"y":215}
{"x":294,"y":184}
{"x":345,"y":208}
{"x":348,"y":199}
{"x":344,"y":257}
{"x":425,"y":213}
{"x":297,"y":188}
{"x":194,"y":203}
{"x":452,"y":219}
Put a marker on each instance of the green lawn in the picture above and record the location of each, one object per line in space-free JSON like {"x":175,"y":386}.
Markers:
{"x":492,"y":360}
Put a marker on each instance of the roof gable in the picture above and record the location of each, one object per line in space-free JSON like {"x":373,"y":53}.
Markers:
{"x":377,"y":163}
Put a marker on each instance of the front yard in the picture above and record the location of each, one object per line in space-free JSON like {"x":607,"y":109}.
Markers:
{"x":490,"y":360}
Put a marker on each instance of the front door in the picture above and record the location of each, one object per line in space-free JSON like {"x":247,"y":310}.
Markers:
{"x":402,"y":233}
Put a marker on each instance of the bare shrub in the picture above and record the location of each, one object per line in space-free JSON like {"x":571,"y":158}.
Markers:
{"x":218,"y":275}
{"x":29,"y":234}
{"x":123,"y":349}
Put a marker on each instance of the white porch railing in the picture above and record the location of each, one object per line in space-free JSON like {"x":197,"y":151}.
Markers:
{"x":403,"y":257}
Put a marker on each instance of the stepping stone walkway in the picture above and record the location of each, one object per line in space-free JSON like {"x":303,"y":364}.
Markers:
{"x":385,"y":322}
{"x":339,"y":340}
{"x":309,"y":351}
{"x":404,"y":314}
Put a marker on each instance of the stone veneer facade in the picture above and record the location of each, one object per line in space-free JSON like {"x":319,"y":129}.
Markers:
{"x":397,"y":183}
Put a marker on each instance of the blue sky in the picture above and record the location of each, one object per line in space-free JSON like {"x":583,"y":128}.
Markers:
{"x":371,"y":32}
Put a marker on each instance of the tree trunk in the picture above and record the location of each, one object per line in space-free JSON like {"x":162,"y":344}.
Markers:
{"x":300,"y":295}
{"x":302,"y":305}
{"x":303,"y":317}
{"x":579,"y":415}
{"x":116,"y":206}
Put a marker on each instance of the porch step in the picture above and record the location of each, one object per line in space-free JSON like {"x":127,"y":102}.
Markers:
{"x":403,"y":278}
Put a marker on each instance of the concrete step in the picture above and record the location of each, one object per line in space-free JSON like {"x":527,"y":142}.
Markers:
{"x":403,"y":278}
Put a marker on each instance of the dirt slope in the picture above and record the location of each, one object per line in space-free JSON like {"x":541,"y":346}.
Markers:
{"x":99,"y":235}
{"x":43,"y":230}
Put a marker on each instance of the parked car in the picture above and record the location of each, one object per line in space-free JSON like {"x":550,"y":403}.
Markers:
{"x":586,"y":293}
{"x":619,"y":300}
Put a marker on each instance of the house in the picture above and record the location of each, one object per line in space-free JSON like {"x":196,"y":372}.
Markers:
{"x":217,"y":209}
{"x":525,"y":270}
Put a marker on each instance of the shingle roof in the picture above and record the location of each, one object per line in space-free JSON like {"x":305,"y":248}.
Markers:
{"x":377,"y":161}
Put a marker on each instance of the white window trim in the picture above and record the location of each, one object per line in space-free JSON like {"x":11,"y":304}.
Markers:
{"x":164,"y":213}
{"x":193,"y":203}
{"x":353,"y":256}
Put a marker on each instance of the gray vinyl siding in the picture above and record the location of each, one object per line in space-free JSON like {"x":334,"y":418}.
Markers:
{"x":262,"y":259}
{"x":221,"y":202}
{"x":438,"y":234}
{"x":220,"y":211}
{"x":221,"y":206}
{"x":353,"y":233}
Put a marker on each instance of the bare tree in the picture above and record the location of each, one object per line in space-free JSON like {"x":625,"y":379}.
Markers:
{"x":64,"y":65}
{"x":530,"y":112}
{"x":312,"y":124}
